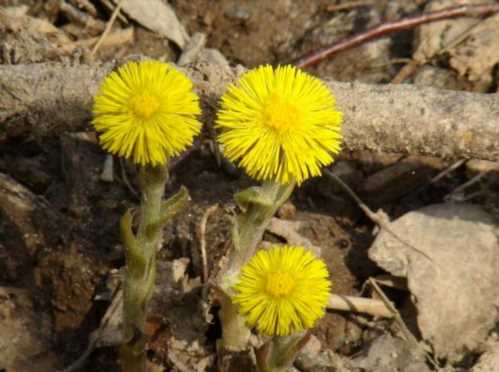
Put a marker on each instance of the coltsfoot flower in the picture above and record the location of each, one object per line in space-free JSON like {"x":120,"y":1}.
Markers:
{"x":146,"y":112}
{"x":279,"y":124}
{"x":282,"y":290}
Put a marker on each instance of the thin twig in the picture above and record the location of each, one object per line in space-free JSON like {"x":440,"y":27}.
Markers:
{"x":110,"y":6}
{"x":391,"y":62}
{"x":438,"y":177}
{"x":465,"y":185}
{"x":116,"y":301}
{"x":395,"y":26}
{"x":175,"y":162}
{"x":76,"y":15}
{"x":359,"y":305}
{"x":117,"y":37}
{"x":445,"y":172}
{"x":108,"y":27}
{"x":349,"y":5}
{"x":407,"y":71}
{"x":400,"y":322}
{"x":87,"y":5}
{"x":396,"y":315}
{"x":379,"y":218}
{"x":124,"y":176}
{"x":202,"y":240}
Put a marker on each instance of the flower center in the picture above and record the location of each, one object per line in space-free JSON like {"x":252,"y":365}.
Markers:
{"x":279,"y":114}
{"x":279,"y":284}
{"x":144,"y":105}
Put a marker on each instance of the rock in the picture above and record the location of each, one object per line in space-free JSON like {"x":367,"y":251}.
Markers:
{"x":323,"y":361}
{"x":189,"y":357}
{"x":461,"y":242}
{"x":312,"y":348}
{"x":387,"y":354}
{"x":25,"y":334}
{"x":489,"y":360}
{"x":70,"y":277}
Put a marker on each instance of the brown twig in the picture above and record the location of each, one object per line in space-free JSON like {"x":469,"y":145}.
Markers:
{"x":108,"y":27}
{"x":87,"y":6}
{"x":76,"y":15}
{"x":400,"y":322}
{"x":406,"y":71}
{"x":390,"y":118}
{"x":438,"y":177}
{"x":465,"y":185}
{"x":116,"y":304}
{"x":175,"y":162}
{"x":202,"y":240}
{"x":110,"y":6}
{"x":125,"y":179}
{"x":446,"y":171}
{"x":396,"y":315}
{"x":118,"y":37}
{"x":395,"y":26}
{"x":349,"y":5}
{"x":359,"y":305}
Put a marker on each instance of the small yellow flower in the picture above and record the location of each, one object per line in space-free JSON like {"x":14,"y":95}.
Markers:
{"x":146,"y":112}
{"x":282,"y":290}
{"x":279,"y":125}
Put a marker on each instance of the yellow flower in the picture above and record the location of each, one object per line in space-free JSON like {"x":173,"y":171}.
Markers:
{"x":146,"y":112}
{"x":282,"y":290}
{"x":279,"y":125}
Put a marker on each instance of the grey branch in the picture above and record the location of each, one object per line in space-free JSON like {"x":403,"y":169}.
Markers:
{"x":50,"y":98}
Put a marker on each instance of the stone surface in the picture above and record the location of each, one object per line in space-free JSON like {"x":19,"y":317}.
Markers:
{"x":456,"y":289}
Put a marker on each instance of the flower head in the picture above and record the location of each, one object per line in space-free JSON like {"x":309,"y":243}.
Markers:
{"x":279,"y":124}
{"x":146,"y":112}
{"x":282,"y":290}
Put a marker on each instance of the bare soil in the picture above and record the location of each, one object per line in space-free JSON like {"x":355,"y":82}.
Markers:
{"x":65,"y":276}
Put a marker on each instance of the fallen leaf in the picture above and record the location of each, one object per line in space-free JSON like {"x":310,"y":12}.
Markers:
{"x":478,"y":54}
{"x":433,"y":38}
{"x":157,"y":16}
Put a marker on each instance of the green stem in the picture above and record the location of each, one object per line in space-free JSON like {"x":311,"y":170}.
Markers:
{"x":140,"y":254}
{"x":259,"y":205}
{"x":279,"y":353}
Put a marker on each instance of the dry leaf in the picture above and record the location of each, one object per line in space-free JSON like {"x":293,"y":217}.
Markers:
{"x":478,"y":54}
{"x":157,"y":16}
{"x":433,"y":38}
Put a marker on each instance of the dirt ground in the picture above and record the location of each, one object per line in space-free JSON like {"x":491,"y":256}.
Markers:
{"x":60,"y":250}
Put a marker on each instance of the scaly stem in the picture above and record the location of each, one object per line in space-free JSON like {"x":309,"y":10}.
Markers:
{"x":279,"y":353}
{"x":259,"y":205}
{"x":140,"y":254}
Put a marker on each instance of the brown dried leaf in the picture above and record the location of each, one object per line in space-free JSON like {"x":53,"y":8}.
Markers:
{"x":476,"y":57}
{"x":157,"y":16}
{"x":433,"y":38}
